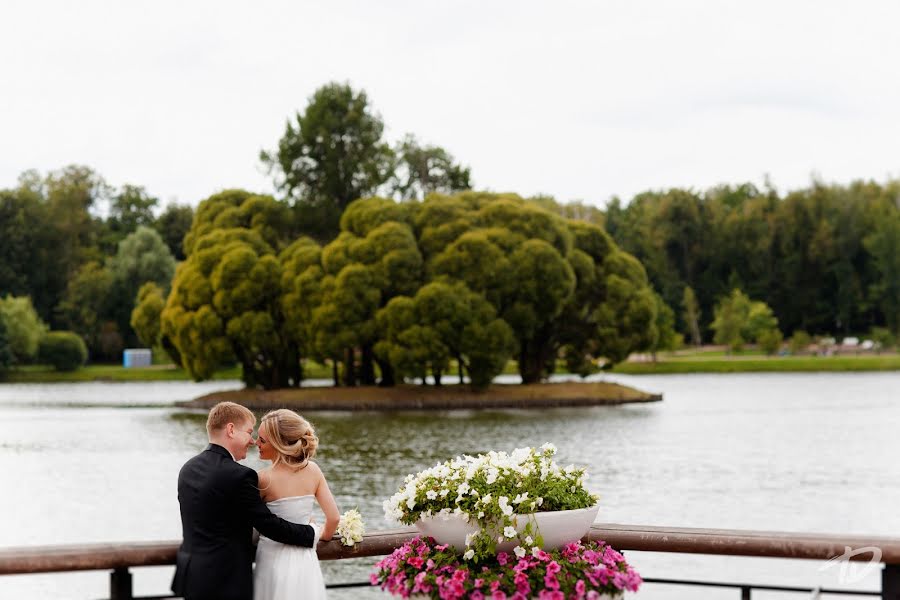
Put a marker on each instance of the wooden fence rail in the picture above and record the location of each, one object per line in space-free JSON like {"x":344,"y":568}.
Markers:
{"x":121,"y":556}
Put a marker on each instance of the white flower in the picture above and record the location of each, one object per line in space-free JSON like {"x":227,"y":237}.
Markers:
{"x":410,"y":503}
{"x":549,"y":448}
{"x":351,"y":528}
{"x":444,"y":492}
{"x":535,"y":550}
{"x":509,"y":532}
{"x":540,"y":501}
{"x":431,"y":494}
{"x":469,"y":554}
{"x":520,"y":498}
{"x":480,"y":514}
{"x":500,"y":540}
{"x":529,"y":541}
{"x":519,"y":551}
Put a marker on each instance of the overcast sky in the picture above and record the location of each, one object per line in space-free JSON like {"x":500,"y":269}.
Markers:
{"x":580,"y":100}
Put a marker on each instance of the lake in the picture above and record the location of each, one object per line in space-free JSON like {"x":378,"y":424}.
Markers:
{"x":98,"y":462}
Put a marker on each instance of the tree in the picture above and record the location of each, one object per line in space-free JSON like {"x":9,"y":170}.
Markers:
{"x":691,"y":314}
{"x":445,"y":321}
{"x":884,"y":246}
{"x":331,"y":155}
{"x":130,"y":208}
{"x":145,"y":317}
{"x":88,"y":305}
{"x":6,"y":357}
{"x":64,"y":350}
{"x":739,"y":320}
{"x":24,"y":328}
{"x":142,"y":257}
{"x":423,"y":170}
{"x":666,"y":336}
{"x":173,"y":224}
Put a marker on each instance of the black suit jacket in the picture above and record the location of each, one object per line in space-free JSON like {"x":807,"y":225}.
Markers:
{"x":220,"y":506}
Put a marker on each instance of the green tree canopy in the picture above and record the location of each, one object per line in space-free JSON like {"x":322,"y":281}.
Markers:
{"x":173,"y":224}
{"x":423,"y":170}
{"x":24,"y":328}
{"x":329,"y":156}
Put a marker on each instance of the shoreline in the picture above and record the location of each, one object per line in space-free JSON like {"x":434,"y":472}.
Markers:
{"x":666,"y":365}
{"x":446,"y":397}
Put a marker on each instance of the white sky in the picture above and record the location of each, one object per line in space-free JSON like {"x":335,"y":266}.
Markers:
{"x":581,"y":100}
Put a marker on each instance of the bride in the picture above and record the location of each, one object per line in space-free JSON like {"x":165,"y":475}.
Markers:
{"x":288,"y":487}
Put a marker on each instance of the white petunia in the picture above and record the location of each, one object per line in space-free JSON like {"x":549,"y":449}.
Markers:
{"x":509,"y":532}
{"x":431,"y":494}
{"x":529,"y":541}
{"x":469,"y":554}
{"x":519,"y":551}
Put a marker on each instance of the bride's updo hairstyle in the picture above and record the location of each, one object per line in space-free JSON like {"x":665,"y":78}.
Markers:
{"x":292,"y":437}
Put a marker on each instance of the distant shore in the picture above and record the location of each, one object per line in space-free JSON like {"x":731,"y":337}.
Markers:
{"x":670,"y":363}
{"x":417,"y":397}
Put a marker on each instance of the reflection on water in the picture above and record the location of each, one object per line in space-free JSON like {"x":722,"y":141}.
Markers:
{"x":780,"y":452}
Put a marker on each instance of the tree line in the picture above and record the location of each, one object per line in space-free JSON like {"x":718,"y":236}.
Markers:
{"x":825,"y":258}
{"x":734,"y":264}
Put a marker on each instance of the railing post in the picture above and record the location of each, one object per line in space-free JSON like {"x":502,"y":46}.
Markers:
{"x":120,"y":584}
{"x":890,"y":582}
{"x":745,"y":592}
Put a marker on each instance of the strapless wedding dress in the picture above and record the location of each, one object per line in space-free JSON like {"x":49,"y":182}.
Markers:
{"x":288,"y":572}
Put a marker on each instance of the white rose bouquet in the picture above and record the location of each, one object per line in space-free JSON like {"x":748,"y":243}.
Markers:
{"x":351,"y":528}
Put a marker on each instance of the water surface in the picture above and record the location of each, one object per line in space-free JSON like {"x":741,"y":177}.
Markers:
{"x":795,"y":452}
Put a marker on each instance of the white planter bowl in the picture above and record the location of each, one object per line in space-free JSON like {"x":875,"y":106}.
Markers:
{"x":558,"y":528}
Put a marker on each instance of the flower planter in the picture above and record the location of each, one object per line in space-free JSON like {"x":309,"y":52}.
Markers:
{"x":556,"y":527}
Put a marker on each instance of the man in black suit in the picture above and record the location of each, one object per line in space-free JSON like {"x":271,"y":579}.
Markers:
{"x":220,"y":506}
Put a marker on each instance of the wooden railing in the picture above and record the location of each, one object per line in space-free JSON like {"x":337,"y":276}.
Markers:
{"x":120,"y":557}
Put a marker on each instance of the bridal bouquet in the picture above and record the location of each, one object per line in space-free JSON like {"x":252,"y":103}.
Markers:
{"x":590,"y":570}
{"x":490,"y":489}
{"x":351,"y":528}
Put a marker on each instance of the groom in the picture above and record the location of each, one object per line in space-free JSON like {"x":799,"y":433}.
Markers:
{"x":220,"y":506}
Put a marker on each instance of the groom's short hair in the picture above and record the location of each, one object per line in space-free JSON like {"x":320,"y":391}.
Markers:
{"x":224,"y":413}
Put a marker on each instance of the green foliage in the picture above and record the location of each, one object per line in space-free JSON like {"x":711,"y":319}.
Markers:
{"x":225,"y":305}
{"x":444,"y":321}
{"x":770,"y":341}
{"x":739,"y":320}
{"x":64,"y":350}
{"x":884,"y":246}
{"x":883,"y":337}
{"x":800,"y":341}
{"x":173,"y":224}
{"x":824,"y":258}
{"x":691,"y":315}
{"x":131,"y":207}
{"x":424,"y":170}
{"x":88,"y":305}
{"x":24,"y":328}
{"x":331,"y":155}
{"x":6,"y":357}
{"x":145,"y":318}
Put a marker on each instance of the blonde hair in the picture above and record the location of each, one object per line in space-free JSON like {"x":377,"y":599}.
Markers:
{"x":292,"y":437}
{"x":224,"y":413}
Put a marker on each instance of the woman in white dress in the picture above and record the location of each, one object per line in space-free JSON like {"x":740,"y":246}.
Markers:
{"x":289,"y":487}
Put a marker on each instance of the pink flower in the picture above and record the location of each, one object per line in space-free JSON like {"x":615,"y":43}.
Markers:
{"x":503,"y":558}
{"x":498,"y":595}
{"x":553,"y":568}
{"x":476,"y":595}
{"x":478,"y":583}
{"x":551,"y":595}
{"x":580,"y":588}
{"x":416,"y":561}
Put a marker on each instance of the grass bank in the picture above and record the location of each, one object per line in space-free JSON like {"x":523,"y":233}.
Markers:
{"x":753,"y":363}
{"x":44,"y":374}
{"x":416,"y":397}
